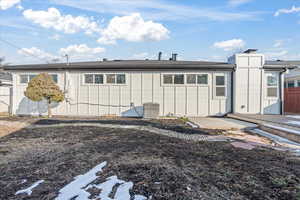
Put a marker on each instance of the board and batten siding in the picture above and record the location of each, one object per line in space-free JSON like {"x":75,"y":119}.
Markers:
{"x":4,"y":99}
{"x":141,"y":87}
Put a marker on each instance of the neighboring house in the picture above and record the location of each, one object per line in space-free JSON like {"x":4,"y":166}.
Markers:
{"x":182,"y":88}
{"x":5,"y":91}
{"x":292,"y":78}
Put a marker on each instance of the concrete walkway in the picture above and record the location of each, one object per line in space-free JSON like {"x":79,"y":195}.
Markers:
{"x":221,"y":123}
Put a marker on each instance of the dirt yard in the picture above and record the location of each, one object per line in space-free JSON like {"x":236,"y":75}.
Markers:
{"x":161,"y":168}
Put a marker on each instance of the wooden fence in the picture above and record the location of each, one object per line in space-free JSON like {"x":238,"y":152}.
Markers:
{"x":292,"y":100}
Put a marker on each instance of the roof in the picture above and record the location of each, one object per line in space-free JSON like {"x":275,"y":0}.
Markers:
{"x":127,"y":65}
{"x":146,"y":65}
{"x":4,"y":76}
{"x":281,"y":63}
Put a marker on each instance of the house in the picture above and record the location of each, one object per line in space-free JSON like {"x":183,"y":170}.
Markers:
{"x":292,"y":78}
{"x":244,"y":84}
{"x":5,"y":91}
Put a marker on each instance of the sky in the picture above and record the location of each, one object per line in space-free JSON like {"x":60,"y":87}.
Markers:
{"x":45,"y":31}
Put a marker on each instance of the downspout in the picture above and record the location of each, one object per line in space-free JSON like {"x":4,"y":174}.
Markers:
{"x":281,"y":95}
{"x":232,"y":89}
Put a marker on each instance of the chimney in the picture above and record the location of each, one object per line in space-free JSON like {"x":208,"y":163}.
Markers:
{"x":249,"y":51}
{"x":174,"y":56}
{"x":159,"y":55}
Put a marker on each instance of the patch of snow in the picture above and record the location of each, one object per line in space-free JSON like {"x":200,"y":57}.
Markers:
{"x":275,"y":138}
{"x":139,"y":197}
{"x":192,"y":125}
{"x":283,"y":129}
{"x":75,"y":188}
{"x":123,"y":191}
{"x":107,"y":187}
{"x":78,"y":189}
{"x":28,"y":190}
{"x":23,"y":181}
{"x":297,"y":123}
{"x":293,"y":116}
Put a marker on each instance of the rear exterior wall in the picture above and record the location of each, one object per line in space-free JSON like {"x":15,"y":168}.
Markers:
{"x":127,"y":99}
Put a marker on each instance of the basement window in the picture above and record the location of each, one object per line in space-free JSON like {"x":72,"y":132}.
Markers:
{"x":272,"y":85}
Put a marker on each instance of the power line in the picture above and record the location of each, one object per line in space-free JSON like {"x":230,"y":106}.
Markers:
{"x":24,"y":51}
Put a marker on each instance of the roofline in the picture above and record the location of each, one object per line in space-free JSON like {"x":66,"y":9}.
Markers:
{"x":127,"y":65}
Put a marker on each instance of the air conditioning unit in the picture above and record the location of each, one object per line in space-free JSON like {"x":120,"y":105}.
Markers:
{"x":151,"y":110}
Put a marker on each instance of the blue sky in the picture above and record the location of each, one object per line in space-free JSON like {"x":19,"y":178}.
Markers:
{"x":40,"y":31}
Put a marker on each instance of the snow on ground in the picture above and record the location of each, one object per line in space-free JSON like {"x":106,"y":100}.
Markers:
{"x":275,"y":138}
{"x":293,"y":116}
{"x":297,"y":123}
{"x":28,"y":190}
{"x":283,"y":129}
{"x":75,"y":188}
{"x":192,"y":125}
{"x":78,"y":189}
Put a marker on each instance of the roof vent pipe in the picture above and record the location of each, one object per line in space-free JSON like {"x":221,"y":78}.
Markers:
{"x":174,"y":56}
{"x":159,"y":55}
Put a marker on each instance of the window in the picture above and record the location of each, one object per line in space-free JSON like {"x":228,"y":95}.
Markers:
{"x":54,"y":77}
{"x":220,"y":86}
{"x":202,"y":79}
{"x":290,"y":84}
{"x":89,"y":78}
{"x":191,"y":78}
{"x":272,"y":85}
{"x":115,"y":79}
{"x":25,"y":78}
{"x":93,"y":78}
{"x":179,"y":79}
{"x":168,"y":79}
{"x":121,"y":79}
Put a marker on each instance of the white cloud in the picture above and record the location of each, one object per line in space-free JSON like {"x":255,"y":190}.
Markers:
{"x":276,"y":55}
{"x":20,"y":7}
{"x":5,"y":4}
{"x":158,"y":10}
{"x":230,"y":45}
{"x":81,"y":50}
{"x":238,"y":2}
{"x":278,"y":43}
{"x":55,"y":37}
{"x":133,"y":28}
{"x":294,"y":9}
{"x":52,"y":18}
{"x":33,"y":51}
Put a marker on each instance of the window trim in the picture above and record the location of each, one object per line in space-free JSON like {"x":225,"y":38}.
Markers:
{"x":104,"y":79}
{"x":33,"y":74}
{"x":267,"y":86}
{"x":185,"y":84}
{"x":215,"y":86}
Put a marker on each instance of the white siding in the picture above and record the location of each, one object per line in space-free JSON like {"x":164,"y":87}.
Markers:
{"x":140,"y":87}
{"x":250,"y":86}
{"x":4,"y":99}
